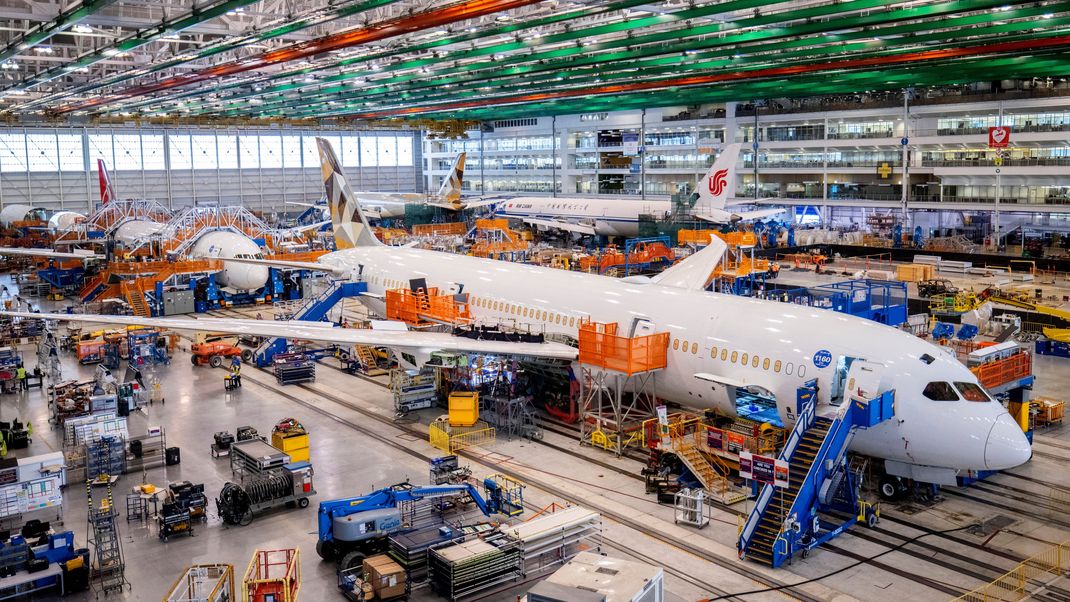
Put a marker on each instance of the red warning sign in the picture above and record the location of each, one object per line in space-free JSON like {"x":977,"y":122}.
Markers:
{"x":999,"y":137}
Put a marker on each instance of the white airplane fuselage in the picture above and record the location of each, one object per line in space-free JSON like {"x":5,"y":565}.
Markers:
{"x":762,"y":343}
{"x":224,"y":244}
{"x":608,"y":217}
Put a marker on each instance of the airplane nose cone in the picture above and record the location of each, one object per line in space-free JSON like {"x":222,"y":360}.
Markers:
{"x":1007,"y":446}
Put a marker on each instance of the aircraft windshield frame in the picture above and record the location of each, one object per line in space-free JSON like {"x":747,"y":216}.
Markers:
{"x":939,"y":390}
{"x":972,"y":392}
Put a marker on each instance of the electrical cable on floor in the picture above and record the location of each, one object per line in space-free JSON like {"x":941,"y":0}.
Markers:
{"x":837,"y":571}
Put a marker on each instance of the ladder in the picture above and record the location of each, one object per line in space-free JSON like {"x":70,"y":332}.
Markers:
{"x":137,"y":301}
{"x":713,"y":481}
{"x":785,"y":520}
{"x":103,"y":530}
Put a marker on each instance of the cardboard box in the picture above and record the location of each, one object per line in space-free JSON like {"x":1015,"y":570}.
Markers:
{"x":385,"y":575}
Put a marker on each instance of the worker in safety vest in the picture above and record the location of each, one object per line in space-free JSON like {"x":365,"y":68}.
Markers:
{"x":20,"y":372}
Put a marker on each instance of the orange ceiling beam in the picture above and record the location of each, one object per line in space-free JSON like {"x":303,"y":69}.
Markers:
{"x":453,"y":13}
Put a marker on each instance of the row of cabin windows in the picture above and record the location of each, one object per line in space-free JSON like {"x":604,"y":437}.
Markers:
{"x":526,"y":312}
{"x":742,"y":358}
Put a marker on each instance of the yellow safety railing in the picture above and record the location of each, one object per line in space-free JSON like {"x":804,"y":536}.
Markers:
{"x":452,"y":439}
{"x":1029,"y":576}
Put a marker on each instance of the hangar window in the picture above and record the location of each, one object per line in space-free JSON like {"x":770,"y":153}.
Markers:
{"x":971,"y":392}
{"x":940,"y":391}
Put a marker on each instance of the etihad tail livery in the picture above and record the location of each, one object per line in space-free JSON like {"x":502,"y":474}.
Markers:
{"x":722,"y":346}
{"x":620,"y":217}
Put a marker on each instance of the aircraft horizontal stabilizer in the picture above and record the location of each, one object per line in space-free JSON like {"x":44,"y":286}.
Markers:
{"x":419,"y":342}
{"x":481,"y":203}
{"x":50,"y":254}
{"x":759,"y":214}
{"x":290,"y":265}
{"x":694,"y":272}
{"x":559,"y":225}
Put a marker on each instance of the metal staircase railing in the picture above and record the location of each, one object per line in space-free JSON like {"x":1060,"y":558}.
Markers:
{"x":313,"y":310}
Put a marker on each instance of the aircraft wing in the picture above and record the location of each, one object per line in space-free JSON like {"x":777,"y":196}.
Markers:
{"x":314,"y":226}
{"x":282,"y":263}
{"x":759,"y":214}
{"x":300,"y":204}
{"x":50,"y":253}
{"x":422,"y":343}
{"x":560,"y":225}
{"x":694,"y":272}
{"x":391,"y":198}
{"x":482,"y":203}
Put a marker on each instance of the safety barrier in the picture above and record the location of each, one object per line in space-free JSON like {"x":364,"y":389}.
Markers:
{"x":714,"y":440}
{"x":1001,"y":372}
{"x":599,"y":345}
{"x":699,"y":238}
{"x":454,"y":439}
{"x":422,"y":307}
{"x":447,"y":229}
{"x":1031,"y":575}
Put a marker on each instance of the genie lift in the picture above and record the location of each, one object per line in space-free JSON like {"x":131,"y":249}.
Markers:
{"x":352,"y":528}
{"x":794,"y":518}
{"x":313,"y":310}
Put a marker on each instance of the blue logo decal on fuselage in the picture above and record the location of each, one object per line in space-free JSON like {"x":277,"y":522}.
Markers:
{"x":822,"y":358}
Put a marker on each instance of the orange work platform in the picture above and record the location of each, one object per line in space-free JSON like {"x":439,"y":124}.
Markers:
{"x":643,"y":253}
{"x":698,"y":238}
{"x":272,"y":576}
{"x":601,"y":346}
{"x":1003,"y":371}
{"x":449,"y":229}
{"x":494,"y":238}
{"x":425,"y":307}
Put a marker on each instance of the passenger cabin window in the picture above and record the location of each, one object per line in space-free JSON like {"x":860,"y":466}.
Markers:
{"x":971,"y":392}
{"x":940,"y":391}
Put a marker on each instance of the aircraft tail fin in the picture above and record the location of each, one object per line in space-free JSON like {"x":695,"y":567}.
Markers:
{"x":107,"y":189}
{"x":351,"y":227}
{"x":451,"y":185}
{"x":719,"y":183}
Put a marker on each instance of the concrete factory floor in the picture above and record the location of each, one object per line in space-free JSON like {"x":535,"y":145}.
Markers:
{"x":338,"y":411}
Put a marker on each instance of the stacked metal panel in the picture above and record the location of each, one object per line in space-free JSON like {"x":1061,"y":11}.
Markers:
{"x":555,"y":538}
{"x":465,"y":569}
{"x":293,"y":368}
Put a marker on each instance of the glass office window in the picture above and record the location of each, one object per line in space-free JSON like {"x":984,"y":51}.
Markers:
{"x":152,"y":153}
{"x":181,"y":155}
{"x":127,"y":151}
{"x":100,"y":148}
{"x":228,"y":151}
{"x":41,"y":152}
{"x":249,"y":151}
{"x":70,"y":152}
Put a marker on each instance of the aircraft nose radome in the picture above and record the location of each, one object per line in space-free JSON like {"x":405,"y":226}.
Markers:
{"x":1007,"y":446}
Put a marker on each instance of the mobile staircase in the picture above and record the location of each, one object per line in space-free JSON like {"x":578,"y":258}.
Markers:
{"x":786,"y":520}
{"x":313,"y":310}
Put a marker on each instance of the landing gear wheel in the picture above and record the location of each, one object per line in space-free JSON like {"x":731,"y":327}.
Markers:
{"x":247,"y":355}
{"x":215,"y":361}
{"x":325,"y":549}
{"x":351,"y":560}
{"x":302,"y":503}
{"x":891,"y":488}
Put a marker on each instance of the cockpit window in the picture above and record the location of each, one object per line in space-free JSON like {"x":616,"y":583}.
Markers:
{"x":940,"y":391}
{"x":971,"y":392}
{"x":928,"y":359}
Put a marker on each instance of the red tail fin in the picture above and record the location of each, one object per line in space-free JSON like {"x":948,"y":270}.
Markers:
{"x":107,"y":191}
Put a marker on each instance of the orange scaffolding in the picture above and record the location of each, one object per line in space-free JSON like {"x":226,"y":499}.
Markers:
{"x":601,"y":346}
{"x":424,"y":307}
{"x":643,"y":253}
{"x":272,"y":576}
{"x":448,"y":229}
{"x":1002,"y":371}
{"x":494,"y":238}
{"x":699,"y":238}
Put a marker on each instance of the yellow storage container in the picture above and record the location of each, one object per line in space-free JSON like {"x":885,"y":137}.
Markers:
{"x":299,"y":455}
{"x":289,"y":443}
{"x":464,"y":408}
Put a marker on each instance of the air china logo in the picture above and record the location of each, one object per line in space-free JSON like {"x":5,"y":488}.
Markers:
{"x":718,"y":181}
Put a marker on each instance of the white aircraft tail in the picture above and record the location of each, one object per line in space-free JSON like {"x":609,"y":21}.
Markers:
{"x":451,"y":185}
{"x":719,"y":183}
{"x":351,"y":228}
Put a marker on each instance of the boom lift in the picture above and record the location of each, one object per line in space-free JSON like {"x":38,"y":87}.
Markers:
{"x":352,"y":528}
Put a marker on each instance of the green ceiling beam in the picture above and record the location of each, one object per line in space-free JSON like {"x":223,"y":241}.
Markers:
{"x":665,"y":64}
{"x":576,"y":56}
{"x":46,"y":30}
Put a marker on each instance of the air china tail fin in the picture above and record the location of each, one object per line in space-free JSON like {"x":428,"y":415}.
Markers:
{"x":451,"y":185}
{"x":351,"y":228}
{"x":719,"y":183}
{"x":107,"y":190}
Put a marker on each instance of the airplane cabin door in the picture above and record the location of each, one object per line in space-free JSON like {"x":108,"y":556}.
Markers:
{"x":863,"y":381}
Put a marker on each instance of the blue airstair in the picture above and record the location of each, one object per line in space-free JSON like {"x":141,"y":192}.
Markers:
{"x":313,"y":310}
{"x":785,"y":520}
